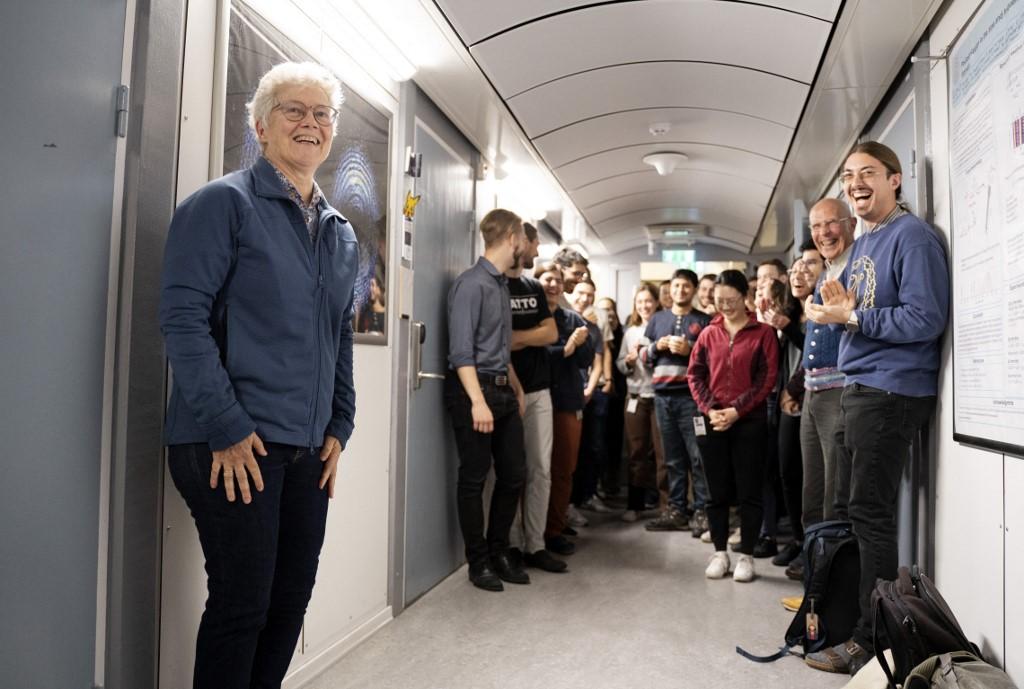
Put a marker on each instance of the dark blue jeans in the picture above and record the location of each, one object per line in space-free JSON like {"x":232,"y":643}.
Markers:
{"x":261,"y":562}
{"x":675,"y":415}
{"x":873,"y":437}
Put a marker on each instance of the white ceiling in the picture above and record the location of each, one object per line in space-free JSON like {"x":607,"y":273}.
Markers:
{"x":586,"y":80}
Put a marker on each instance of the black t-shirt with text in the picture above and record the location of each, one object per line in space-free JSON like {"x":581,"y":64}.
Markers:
{"x":529,"y":309}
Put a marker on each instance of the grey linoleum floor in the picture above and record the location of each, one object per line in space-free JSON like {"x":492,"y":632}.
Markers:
{"x":635,"y":611}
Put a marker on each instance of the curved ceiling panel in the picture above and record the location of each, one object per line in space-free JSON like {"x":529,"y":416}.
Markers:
{"x":475,"y":20}
{"x":662,"y":84}
{"x":625,"y":242}
{"x":704,"y":157}
{"x":700,"y":30}
{"x":632,"y":128}
{"x":707,"y":198}
{"x":733,"y":192}
{"x":726,"y":224}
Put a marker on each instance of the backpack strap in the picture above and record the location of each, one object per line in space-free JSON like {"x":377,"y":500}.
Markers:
{"x":876,"y":643}
{"x":781,"y":653}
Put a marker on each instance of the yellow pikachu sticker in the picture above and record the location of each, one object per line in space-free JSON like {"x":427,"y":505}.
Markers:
{"x":409,"y":211}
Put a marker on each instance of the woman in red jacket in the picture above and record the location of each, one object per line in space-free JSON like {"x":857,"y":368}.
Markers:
{"x":732,"y":370}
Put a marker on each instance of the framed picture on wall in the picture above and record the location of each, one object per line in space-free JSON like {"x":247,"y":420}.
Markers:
{"x":354,"y":178}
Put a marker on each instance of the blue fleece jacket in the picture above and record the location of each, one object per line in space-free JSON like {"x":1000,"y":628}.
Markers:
{"x":257,"y":320}
{"x":566,"y":386}
{"x":902,"y":283}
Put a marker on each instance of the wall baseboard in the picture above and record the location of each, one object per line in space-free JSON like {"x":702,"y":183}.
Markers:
{"x":322,"y":660}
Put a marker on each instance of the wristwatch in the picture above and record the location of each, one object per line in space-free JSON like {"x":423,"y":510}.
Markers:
{"x":852,"y":323}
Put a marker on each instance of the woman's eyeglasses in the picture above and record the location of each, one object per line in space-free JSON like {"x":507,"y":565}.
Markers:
{"x":294,"y":111}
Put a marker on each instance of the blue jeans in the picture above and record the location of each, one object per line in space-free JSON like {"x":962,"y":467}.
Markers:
{"x":675,"y":414}
{"x":261,"y":562}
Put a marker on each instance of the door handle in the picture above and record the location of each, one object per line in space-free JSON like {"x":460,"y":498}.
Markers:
{"x":419,"y":337}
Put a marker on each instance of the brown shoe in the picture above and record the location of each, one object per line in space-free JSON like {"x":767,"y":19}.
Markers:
{"x":839,"y":658}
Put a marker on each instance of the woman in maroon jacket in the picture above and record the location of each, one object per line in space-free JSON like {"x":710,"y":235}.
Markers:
{"x":732,"y":370}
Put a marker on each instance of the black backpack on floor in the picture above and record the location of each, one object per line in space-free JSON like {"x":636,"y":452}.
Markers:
{"x":913,"y":620}
{"x":831,"y":578}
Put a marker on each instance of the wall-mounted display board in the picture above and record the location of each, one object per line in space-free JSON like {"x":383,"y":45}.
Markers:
{"x":986,"y":130}
{"x":355,"y":175}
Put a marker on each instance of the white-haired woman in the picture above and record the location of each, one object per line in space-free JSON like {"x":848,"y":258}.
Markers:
{"x":256,"y":312}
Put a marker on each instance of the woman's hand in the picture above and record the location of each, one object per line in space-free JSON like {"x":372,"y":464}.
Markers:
{"x":239,"y":463}
{"x":723,"y":419}
{"x":632,"y":355}
{"x":775,"y":319}
{"x":330,"y":454}
{"x":789,"y":405}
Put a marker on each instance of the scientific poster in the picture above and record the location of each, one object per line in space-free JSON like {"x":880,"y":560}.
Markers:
{"x":986,"y":130}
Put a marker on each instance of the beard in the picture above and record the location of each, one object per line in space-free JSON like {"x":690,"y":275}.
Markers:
{"x":517,"y":260}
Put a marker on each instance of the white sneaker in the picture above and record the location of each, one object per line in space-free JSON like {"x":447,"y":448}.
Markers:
{"x":596,"y":504}
{"x":575,"y":518}
{"x":718,"y":566}
{"x":744,"y":569}
{"x":734,"y":537}
{"x":629,"y":516}
{"x":705,"y":537}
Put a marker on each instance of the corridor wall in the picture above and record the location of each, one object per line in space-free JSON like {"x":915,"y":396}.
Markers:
{"x":979,"y":530}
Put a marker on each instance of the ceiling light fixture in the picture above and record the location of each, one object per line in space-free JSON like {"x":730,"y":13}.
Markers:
{"x":665,"y":162}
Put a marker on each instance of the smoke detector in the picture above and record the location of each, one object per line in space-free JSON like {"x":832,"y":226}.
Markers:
{"x":665,"y":162}
{"x":660,"y":128}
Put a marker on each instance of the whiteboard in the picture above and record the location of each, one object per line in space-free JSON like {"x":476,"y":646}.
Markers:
{"x":986,"y":132}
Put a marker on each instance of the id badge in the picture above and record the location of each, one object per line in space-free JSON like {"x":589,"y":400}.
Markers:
{"x":813,"y":629}
{"x":632,"y":404}
{"x":698,"y":426}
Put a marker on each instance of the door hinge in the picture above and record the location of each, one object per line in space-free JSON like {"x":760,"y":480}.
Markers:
{"x":122,"y":111}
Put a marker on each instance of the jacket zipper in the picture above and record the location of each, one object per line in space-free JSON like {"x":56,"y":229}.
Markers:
{"x":319,"y":282}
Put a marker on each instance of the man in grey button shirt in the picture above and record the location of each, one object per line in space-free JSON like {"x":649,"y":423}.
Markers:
{"x":485,"y":402}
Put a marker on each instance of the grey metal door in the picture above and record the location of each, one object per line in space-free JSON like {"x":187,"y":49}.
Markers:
{"x":442,"y":248}
{"x":62,"y":67}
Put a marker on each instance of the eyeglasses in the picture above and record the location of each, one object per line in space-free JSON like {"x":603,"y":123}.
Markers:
{"x":728,"y":301}
{"x":294,"y":111}
{"x":864,"y":174}
{"x":835,"y":222}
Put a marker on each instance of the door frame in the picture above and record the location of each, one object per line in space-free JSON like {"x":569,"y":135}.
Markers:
{"x":415,"y":108}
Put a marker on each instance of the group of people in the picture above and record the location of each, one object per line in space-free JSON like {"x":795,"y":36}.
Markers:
{"x":799,"y":388}
{"x":822,"y":373}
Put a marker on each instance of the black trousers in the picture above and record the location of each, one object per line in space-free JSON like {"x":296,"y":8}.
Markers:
{"x":734,"y":466}
{"x":873,"y":437}
{"x":791,"y":471}
{"x":261,"y":562}
{"x":505,"y":447}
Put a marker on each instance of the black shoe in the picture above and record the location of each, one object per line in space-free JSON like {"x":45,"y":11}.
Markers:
{"x":699,"y":523}
{"x":569,"y":531}
{"x":509,"y":571}
{"x":515,"y":557}
{"x":560,"y":545}
{"x":766,"y":547}
{"x":542,"y":559}
{"x":672,"y":520}
{"x":795,"y":570}
{"x":483,"y":577}
{"x":789,"y":552}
